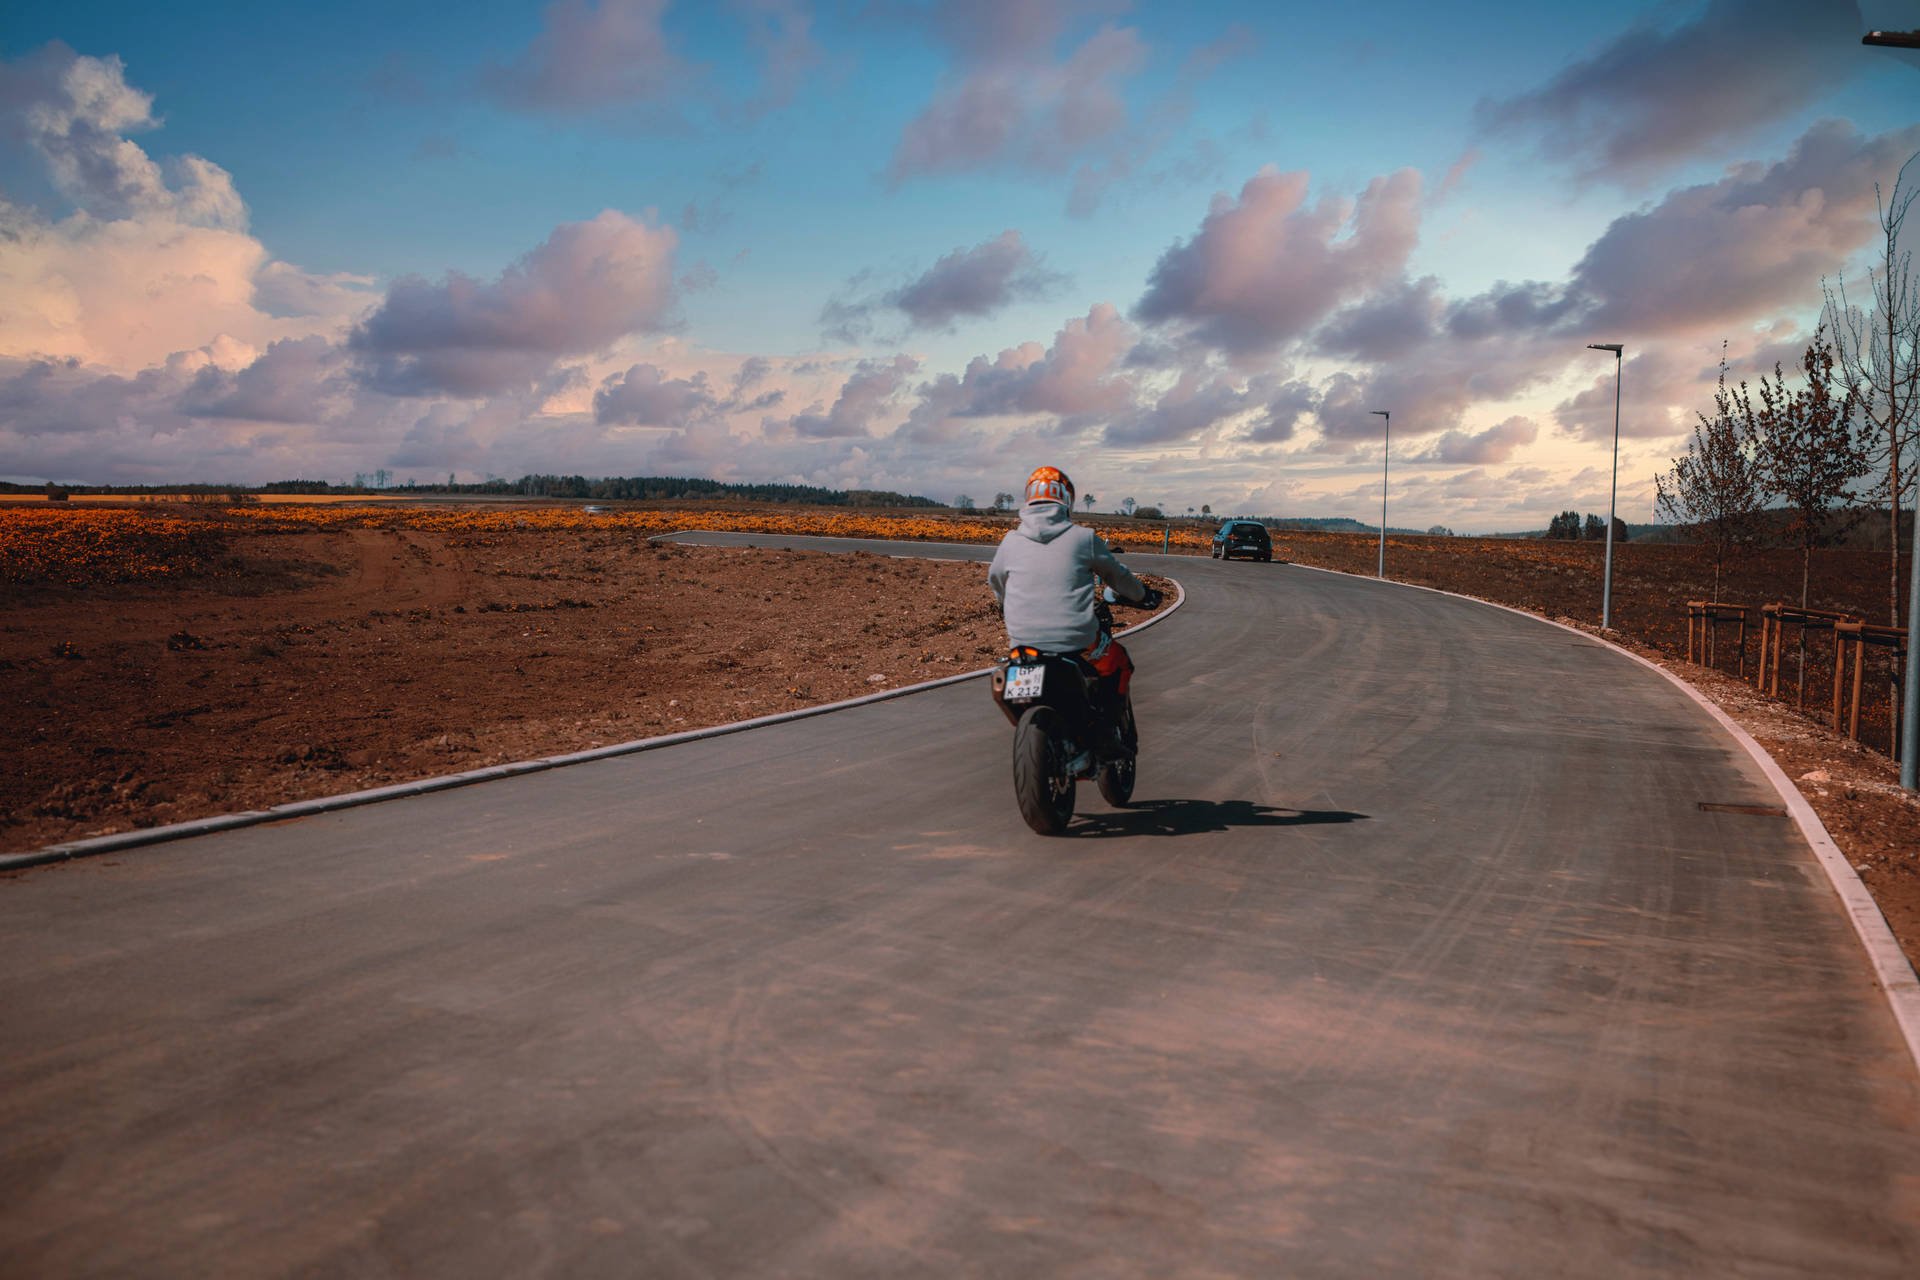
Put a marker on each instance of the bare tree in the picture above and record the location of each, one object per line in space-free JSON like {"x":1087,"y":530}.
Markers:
{"x":1878,"y":352}
{"x":1811,"y":444}
{"x":1127,"y":505}
{"x":1087,"y":502}
{"x":1716,"y":492}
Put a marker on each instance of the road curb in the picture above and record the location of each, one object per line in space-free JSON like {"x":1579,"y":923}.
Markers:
{"x":119,"y":840}
{"x":1891,"y":969}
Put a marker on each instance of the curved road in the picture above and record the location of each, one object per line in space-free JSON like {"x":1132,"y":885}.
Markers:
{"x":1420,"y":957}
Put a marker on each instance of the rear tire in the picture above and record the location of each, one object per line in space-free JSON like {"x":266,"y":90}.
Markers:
{"x":1041,"y":783}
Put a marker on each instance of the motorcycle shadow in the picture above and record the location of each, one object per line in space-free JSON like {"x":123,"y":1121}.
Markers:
{"x":1192,"y":817}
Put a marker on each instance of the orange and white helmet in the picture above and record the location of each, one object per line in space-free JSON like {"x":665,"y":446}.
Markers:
{"x":1050,"y":484}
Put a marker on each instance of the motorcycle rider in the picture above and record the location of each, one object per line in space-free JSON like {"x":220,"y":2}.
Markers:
{"x":1045,"y":574}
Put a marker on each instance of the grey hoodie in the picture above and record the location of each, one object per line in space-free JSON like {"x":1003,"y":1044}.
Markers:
{"x":1045,"y":574}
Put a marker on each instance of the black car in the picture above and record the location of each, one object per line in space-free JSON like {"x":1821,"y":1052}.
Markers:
{"x":1242,"y":538}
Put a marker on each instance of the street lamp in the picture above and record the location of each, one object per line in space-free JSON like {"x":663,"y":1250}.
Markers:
{"x":1613,"y":494}
{"x":1910,"y":703}
{"x":1386,"y":445}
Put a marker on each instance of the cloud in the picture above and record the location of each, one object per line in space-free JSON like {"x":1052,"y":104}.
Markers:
{"x":1659,"y":390}
{"x":1077,"y":379}
{"x":782,"y":32}
{"x":643,"y":397}
{"x":1203,"y":399}
{"x":282,"y":289}
{"x":1758,"y":239}
{"x":589,"y":56}
{"x":1653,"y":98}
{"x":1266,"y":268}
{"x":588,"y":284}
{"x":1013,"y":103}
{"x":295,"y":380}
{"x":863,"y":397}
{"x":974,"y":282}
{"x":1496,"y":444}
{"x":1386,"y":324}
{"x":75,"y":112}
{"x":154,"y":258}
{"x":597,"y":57}
{"x":971,"y":283}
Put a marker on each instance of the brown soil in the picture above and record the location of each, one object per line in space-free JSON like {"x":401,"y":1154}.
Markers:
{"x":310,"y":664}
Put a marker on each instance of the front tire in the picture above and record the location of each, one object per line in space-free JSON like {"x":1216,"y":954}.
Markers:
{"x":1115,"y":778}
{"x":1041,"y":783}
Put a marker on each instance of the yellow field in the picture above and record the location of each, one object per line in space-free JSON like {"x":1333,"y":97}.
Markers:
{"x":49,"y":544}
{"x":70,"y":544}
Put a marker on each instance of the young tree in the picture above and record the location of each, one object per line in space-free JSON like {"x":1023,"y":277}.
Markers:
{"x":1127,"y":505}
{"x":963,"y":503}
{"x":1206,"y":509}
{"x":1087,"y":502}
{"x":1879,"y":357}
{"x":1717,"y":491}
{"x":1812,"y":445}
{"x":1001,"y":501}
{"x":1595,"y":529}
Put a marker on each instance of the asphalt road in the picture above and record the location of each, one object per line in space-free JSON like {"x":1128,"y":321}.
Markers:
{"x":1417,"y":957}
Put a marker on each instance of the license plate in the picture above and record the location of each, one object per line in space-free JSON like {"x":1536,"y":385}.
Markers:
{"x":1024,"y":682}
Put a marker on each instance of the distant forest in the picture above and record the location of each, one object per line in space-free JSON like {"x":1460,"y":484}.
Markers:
{"x":609,"y":487}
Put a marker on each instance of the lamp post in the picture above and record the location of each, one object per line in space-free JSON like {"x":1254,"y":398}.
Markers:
{"x":1910,"y":702}
{"x":1613,"y":494}
{"x":1386,"y":446}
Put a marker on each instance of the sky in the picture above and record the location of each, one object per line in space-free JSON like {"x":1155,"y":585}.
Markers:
{"x":1182,"y":251}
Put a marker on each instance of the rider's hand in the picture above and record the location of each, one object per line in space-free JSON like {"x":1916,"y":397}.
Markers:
{"x":1152,"y":600}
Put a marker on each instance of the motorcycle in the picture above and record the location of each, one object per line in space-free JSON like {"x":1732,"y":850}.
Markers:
{"x":1064,"y":731}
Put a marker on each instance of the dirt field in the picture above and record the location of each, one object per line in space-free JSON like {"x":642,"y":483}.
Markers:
{"x":258,"y":658}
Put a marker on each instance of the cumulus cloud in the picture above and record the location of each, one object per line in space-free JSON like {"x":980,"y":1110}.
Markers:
{"x":294,"y":380}
{"x":1496,"y":444}
{"x":75,"y":112}
{"x":1012,"y":102}
{"x":1203,"y":399}
{"x":1657,"y":387}
{"x":974,"y":282}
{"x":154,"y":258}
{"x":282,"y":289}
{"x":1760,"y":238}
{"x":645,"y":397}
{"x":589,"y":56}
{"x":594,"y":57}
{"x":1654,"y":97}
{"x":588,"y":284}
{"x":1078,"y":379}
{"x":1266,"y":268}
{"x":967,"y":283}
{"x":865,"y":395}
